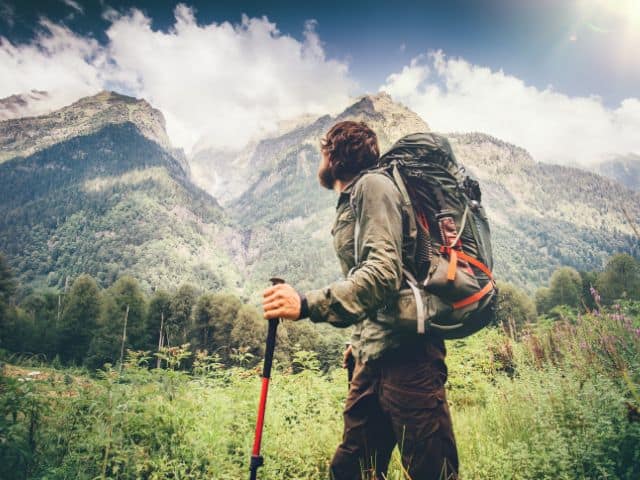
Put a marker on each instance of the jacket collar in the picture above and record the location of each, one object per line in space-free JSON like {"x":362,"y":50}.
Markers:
{"x":346,"y":193}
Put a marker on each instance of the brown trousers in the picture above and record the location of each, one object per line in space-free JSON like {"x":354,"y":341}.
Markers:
{"x":398,"y":399}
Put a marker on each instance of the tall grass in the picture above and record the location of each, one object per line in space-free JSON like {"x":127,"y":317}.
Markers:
{"x":559,"y":402}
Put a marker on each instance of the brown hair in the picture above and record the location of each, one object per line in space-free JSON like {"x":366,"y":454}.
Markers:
{"x":351,"y":148}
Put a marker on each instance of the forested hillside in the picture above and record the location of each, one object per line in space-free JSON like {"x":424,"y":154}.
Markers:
{"x":109,"y":203}
{"x":624,"y":169}
{"x":545,"y":216}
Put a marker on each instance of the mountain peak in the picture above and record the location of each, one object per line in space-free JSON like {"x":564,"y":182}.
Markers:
{"x":25,"y":136}
{"x":109,"y":97}
{"x":388,"y":118}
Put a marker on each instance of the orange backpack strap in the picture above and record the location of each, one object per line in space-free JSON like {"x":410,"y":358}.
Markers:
{"x":476,"y":263}
{"x":473,"y":298}
{"x":454,"y":256}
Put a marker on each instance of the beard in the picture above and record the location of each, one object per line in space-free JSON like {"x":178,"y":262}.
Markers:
{"x":326,"y":178}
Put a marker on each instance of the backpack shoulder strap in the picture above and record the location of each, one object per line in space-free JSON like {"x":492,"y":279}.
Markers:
{"x":411,"y":229}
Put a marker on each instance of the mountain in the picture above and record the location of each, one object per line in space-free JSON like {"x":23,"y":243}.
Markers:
{"x":25,"y":136}
{"x":543,"y":215}
{"x":284,"y":215}
{"x":95,"y":188}
{"x":227,"y":174}
{"x":624,"y":169}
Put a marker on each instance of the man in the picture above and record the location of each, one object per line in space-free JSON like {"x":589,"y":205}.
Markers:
{"x":397,"y":395}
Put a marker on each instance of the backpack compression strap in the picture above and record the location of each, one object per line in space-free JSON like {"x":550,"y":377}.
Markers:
{"x":478,"y":264}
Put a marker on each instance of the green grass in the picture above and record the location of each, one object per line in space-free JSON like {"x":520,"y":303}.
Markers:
{"x":557,"y":403}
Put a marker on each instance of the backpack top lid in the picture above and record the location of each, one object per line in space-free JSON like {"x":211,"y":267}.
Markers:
{"x":416,"y":147}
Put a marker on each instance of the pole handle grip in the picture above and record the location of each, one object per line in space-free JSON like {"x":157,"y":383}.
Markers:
{"x":271,"y":338}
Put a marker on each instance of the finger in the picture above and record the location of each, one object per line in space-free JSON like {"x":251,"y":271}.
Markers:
{"x":271,"y":314}
{"x":272,"y":298}
{"x":272,"y":306}
{"x":269,"y":291}
{"x":277,"y":288}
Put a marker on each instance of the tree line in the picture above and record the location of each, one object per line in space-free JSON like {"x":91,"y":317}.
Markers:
{"x":568,"y":288}
{"x":90,"y":326}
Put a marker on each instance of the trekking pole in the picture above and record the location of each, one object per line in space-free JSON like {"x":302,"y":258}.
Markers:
{"x":256,"y":459}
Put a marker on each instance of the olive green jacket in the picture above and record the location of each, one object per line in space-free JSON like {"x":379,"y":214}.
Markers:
{"x":372,"y":205}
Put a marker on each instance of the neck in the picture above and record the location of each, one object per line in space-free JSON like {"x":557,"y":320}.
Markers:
{"x":340,"y":185}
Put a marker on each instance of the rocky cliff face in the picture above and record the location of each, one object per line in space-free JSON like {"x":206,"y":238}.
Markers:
{"x":25,"y":136}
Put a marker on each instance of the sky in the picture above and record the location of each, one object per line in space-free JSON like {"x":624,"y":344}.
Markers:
{"x":559,"y":78}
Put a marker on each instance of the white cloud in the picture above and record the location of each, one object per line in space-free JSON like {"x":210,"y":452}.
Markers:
{"x":75,"y":5}
{"x":224,"y":83}
{"x":58,"y":61}
{"x":455,"y":95}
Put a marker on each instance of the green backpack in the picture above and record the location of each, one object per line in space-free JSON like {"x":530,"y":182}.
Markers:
{"x":448,"y":260}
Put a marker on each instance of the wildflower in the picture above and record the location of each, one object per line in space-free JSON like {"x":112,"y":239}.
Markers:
{"x":618,"y":317}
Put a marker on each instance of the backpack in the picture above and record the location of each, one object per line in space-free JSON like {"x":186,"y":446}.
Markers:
{"x":447,"y":257}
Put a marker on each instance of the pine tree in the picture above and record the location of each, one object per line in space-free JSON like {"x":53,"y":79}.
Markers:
{"x":7,"y":313}
{"x":215,"y":317}
{"x":7,"y":282}
{"x":42,"y":309}
{"x":157,"y":316}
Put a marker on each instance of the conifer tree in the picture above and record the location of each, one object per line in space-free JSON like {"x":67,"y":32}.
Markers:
{"x":157,"y":317}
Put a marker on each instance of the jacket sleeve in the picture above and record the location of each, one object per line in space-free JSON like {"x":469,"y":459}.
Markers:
{"x":376,"y":278}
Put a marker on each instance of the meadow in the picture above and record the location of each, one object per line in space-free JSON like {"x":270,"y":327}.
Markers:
{"x":559,"y":399}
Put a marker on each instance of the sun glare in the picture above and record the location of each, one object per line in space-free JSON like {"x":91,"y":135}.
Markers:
{"x":624,"y":12}
{"x":617,"y":22}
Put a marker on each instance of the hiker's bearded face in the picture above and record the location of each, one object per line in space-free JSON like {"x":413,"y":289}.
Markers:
{"x":325,"y":176}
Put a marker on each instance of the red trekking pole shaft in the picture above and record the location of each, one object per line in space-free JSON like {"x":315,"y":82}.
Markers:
{"x":256,"y":459}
